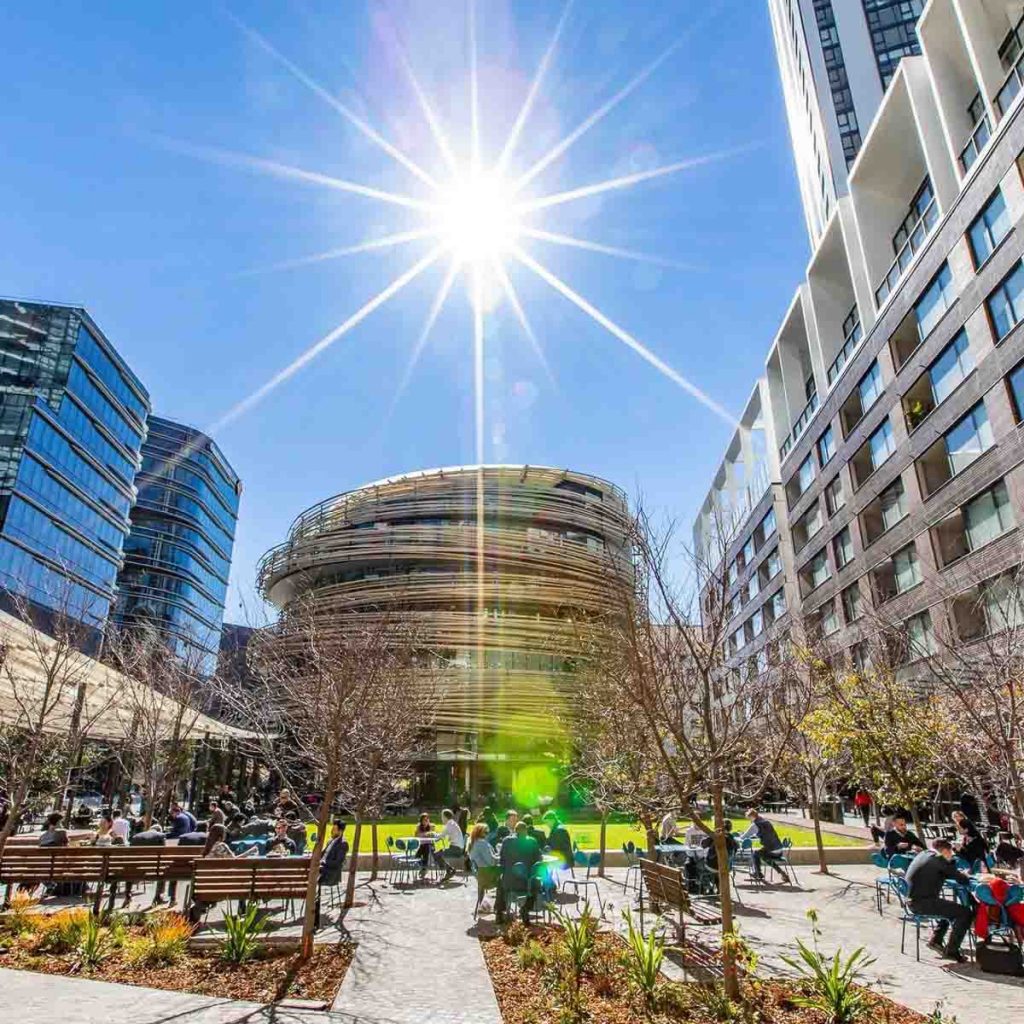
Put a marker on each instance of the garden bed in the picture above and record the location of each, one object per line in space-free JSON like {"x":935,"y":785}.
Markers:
{"x":146,"y":951}
{"x":524,"y":975}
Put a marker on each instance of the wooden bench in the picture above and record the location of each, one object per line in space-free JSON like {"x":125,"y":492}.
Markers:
{"x":149,"y":864}
{"x":250,"y":878}
{"x":666,"y":886}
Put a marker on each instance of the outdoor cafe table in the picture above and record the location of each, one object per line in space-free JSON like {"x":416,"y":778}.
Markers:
{"x":666,"y":851}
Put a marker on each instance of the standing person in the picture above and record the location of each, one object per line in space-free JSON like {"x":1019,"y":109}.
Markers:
{"x":335,"y":852}
{"x":509,"y":828}
{"x":771,"y":846}
{"x":455,"y":852}
{"x":462,"y":818}
{"x":284,"y":804}
{"x":862,"y":802}
{"x":488,"y":817}
{"x":928,"y":873}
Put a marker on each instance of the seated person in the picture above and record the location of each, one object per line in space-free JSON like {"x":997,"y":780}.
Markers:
{"x":103,"y":836}
{"x":54,"y":834}
{"x":771,"y":846}
{"x":235,"y":825}
{"x":333,"y":858}
{"x":481,"y":853}
{"x":296,"y":832}
{"x":216,"y":843}
{"x":518,"y":858}
{"x":455,"y":852}
{"x":694,"y":835}
{"x":280,"y":845}
{"x":708,"y":842}
{"x":196,"y":838}
{"x":120,"y":830}
{"x":509,"y":828}
{"x":927,"y":874}
{"x":972,"y":846}
{"x":181,"y":822}
{"x":899,"y":839}
{"x":152,"y":836}
{"x":424,"y":829}
{"x":669,"y":831}
{"x":1008,"y":854}
{"x":488,"y":818}
{"x":559,"y":840}
{"x":284,"y":804}
{"x":537,"y":833}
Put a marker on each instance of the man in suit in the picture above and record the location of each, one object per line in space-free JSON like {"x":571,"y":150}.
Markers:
{"x":518,"y":849}
{"x":899,"y":839}
{"x":333,"y":858}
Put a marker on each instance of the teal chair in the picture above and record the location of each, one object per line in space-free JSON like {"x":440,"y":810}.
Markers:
{"x":632,"y":866}
{"x":589,"y":861}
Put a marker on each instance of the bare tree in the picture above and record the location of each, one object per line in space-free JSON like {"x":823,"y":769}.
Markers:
{"x":159,"y":710}
{"x":712,"y":730}
{"x":52,"y":695}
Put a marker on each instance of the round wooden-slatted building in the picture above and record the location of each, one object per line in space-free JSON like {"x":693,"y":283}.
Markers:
{"x":549,"y":538}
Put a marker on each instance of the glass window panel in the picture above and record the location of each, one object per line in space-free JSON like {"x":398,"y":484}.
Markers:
{"x":851,"y":603}
{"x":893,"y":504}
{"x":906,"y":570}
{"x":952,"y":366}
{"x":937,"y":298}
{"x":988,"y":516}
{"x":806,"y":474}
{"x":990,"y":228}
{"x":920,"y":636}
{"x":835,"y":499}
{"x":843,"y":545}
{"x":969,"y":438}
{"x":870,"y":388}
{"x":1006,"y":303}
{"x":881,"y":444}
{"x":826,"y":446}
{"x":768,"y":523}
{"x":1015,"y":382}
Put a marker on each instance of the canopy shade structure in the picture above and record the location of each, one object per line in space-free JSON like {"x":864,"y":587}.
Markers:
{"x":107,"y":692}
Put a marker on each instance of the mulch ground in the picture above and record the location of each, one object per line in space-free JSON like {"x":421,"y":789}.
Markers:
{"x":270,"y":978}
{"x":527,"y":995}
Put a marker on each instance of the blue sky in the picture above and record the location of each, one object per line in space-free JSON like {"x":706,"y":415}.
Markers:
{"x":106,"y":203}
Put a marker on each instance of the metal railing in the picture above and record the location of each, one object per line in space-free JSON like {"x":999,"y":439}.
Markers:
{"x":850,"y":346}
{"x":922,"y":229}
{"x":800,"y":425}
{"x":980,"y":134}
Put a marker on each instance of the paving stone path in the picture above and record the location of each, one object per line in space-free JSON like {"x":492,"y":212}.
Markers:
{"x":418,"y":958}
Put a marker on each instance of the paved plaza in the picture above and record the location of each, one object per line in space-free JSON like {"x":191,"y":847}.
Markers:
{"x":419,"y":960}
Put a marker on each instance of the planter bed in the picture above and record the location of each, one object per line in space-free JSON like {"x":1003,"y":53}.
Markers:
{"x":526,"y":995}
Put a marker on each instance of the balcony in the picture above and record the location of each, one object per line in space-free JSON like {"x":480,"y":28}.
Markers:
{"x":805,"y":417}
{"x":850,"y":344}
{"x":980,"y":134}
{"x":1011,"y":86}
{"x":915,"y":239}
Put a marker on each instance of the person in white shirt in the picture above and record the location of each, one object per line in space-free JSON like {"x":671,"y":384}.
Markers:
{"x":694,"y":835}
{"x":669,"y":832}
{"x":455,"y":852}
{"x":119,"y":830}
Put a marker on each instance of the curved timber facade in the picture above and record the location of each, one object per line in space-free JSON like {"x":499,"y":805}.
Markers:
{"x":506,"y":634}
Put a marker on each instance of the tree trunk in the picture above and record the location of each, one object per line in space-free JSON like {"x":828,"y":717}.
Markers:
{"x":917,"y":819}
{"x":350,"y":888}
{"x":816,"y":818}
{"x":730,"y":976}
{"x":376,"y":854}
{"x":17,"y":799}
{"x":604,"y":839}
{"x":312,"y":886}
{"x":652,"y":843}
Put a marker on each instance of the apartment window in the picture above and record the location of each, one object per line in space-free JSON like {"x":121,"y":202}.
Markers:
{"x":807,"y":526}
{"x":736,"y":640}
{"x":753,"y":586}
{"x":867,"y":392}
{"x":732,"y":573}
{"x":1015,"y":385}
{"x":777,"y":603}
{"x":1006,"y":303}
{"x":828,"y":618}
{"x":920,"y":636}
{"x":735,"y":604}
{"x":803,"y":479}
{"x":768,"y":523}
{"x":852,"y":608}
{"x":757,"y":623}
{"x":884,"y":512}
{"x":988,"y":608}
{"x":984,"y":518}
{"x":842,"y":547}
{"x":835,"y":499}
{"x":826,"y":447}
{"x":942,"y":378}
{"x":875,"y":450}
{"x":918,"y":206}
{"x":990,"y":227}
{"x":814,"y":573}
{"x":897,"y":575}
{"x":860,"y":656}
{"x":935,"y":300}
{"x":964,"y":442}
{"x":746,"y":556}
{"x":773,"y":565}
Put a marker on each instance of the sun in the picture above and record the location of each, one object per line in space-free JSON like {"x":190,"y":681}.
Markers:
{"x":478,"y":219}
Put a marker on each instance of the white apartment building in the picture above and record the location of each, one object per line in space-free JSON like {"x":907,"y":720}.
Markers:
{"x":880,"y":456}
{"x":836,"y":58}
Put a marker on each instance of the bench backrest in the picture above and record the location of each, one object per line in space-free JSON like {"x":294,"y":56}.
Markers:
{"x":242,"y":878}
{"x":96,"y":863}
{"x":664,"y":884}
{"x":152,"y":862}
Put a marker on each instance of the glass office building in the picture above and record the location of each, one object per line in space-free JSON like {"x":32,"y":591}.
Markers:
{"x":72,"y":424}
{"x":178,"y":552}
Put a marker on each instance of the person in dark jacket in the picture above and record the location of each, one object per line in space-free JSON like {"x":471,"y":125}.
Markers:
{"x":535,"y":833}
{"x":899,"y":839}
{"x":771,"y":845}
{"x":972,"y":843}
{"x":970,"y":806}
{"x":181,"y":822}
{"x":519,"y":856}
{"x":559,"y":840}
{"x":335,"y":852}
{"x":488,"y":817}
{"x":928,"y":873}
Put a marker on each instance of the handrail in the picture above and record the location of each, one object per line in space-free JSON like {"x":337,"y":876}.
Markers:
{"x":922,"y":229}
{"x":976,"y":142}
{"x":1011,"y":86}
{"x":800,"y":425}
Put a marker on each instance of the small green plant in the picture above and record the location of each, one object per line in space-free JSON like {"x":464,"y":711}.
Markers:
{"x":242,"y":939}
{"x":515,"y":933}
{"x":94,"y":945}
{"x":938,"y":1017}
{"x":642,"y":961}
{"x":531,"y":955}
{"x":62,"y":932}
{"x":715,"y":1002}
{"x":832,"y":983}
{"x":574,"y":953}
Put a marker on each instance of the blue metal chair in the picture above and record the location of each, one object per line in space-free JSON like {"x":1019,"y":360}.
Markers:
{"x":787,"y":860}
{"x":907,"y":916}
{"x":406,"y":862}
{"x":883,"y":882}
{"x":745,"y":857}
{"x":588,"y":861}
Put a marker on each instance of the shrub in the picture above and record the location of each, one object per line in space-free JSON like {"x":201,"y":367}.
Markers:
{"x":642,"y":961}
{"x":574,"y":953}
{"x":165,"y":940}
{"x":832,"y":983}
{"x":94,"y":945}
{"x":532,"y":954}
{"x":62,"y":932}
{"x":242,"y":939}
{"x":515,"y":933}
{"x":22,"y":915}
{"x":715,"y":1002}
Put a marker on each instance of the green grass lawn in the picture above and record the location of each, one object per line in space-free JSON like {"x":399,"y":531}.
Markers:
{"x":587,"y":833}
